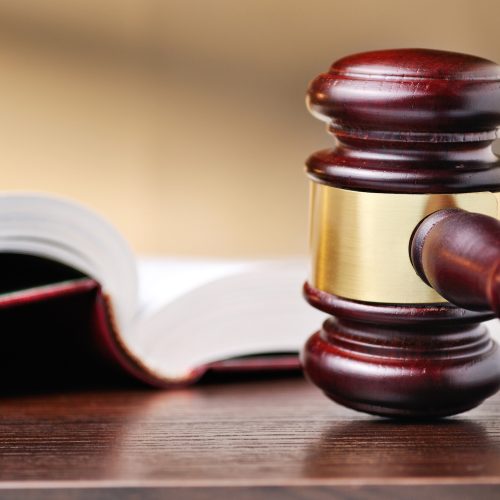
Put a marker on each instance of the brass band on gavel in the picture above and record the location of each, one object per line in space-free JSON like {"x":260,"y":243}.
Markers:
{"x":359,"y":241}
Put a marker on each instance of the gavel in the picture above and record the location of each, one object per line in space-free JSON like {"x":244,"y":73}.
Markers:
{"x":405,"y":233}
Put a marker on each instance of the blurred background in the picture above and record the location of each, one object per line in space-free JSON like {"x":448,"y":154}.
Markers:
{"x":183,"y":122}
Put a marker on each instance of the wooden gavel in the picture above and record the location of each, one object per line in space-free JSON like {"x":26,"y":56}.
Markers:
{"x":405,"y":235}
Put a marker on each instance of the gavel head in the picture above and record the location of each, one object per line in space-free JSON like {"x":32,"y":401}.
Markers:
{"x":414,"y":130}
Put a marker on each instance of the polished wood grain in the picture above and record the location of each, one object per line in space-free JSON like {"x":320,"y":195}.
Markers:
{"x":413,"y":121}
{"x":254,"y":439}
{"x":408,"y":121}
{"x":458,"y":254}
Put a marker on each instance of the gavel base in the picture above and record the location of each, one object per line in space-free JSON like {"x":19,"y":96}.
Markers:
{"x":403,"y":366}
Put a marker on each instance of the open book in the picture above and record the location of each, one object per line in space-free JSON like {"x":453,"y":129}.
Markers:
{"x":71,"y":287}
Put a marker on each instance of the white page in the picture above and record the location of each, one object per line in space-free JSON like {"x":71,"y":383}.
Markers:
{"x":164,"y":279}
{"x":221,"y":310}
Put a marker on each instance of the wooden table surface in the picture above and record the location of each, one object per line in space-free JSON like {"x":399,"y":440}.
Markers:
{"x":248,"y":440}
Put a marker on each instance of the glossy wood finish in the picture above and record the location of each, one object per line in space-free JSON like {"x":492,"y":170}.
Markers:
{"x":415,"y":361}
{"x":397,"y":370}
{"x":405,"y":121}
{"x":458,"y":254}
{"x":256,"y":440}
{"x":407,"y":92}
{"x":408,"y":121}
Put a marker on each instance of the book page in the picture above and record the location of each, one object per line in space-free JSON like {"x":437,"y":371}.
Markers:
{"x":239,"y":309}
{"x":164,"y":279}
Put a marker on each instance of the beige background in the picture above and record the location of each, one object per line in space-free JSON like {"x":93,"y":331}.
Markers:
{"x":184,"y":121}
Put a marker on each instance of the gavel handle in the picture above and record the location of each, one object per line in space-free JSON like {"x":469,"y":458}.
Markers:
{"x":458,"y":254}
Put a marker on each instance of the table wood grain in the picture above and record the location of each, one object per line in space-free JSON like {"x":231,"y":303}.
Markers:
{"x":248,"y":440}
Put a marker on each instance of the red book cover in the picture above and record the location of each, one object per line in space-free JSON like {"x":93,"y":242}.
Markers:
{"x":64,"y":333}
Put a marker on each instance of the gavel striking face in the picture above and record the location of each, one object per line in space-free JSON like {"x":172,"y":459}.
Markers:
{"x":405,"y":235}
